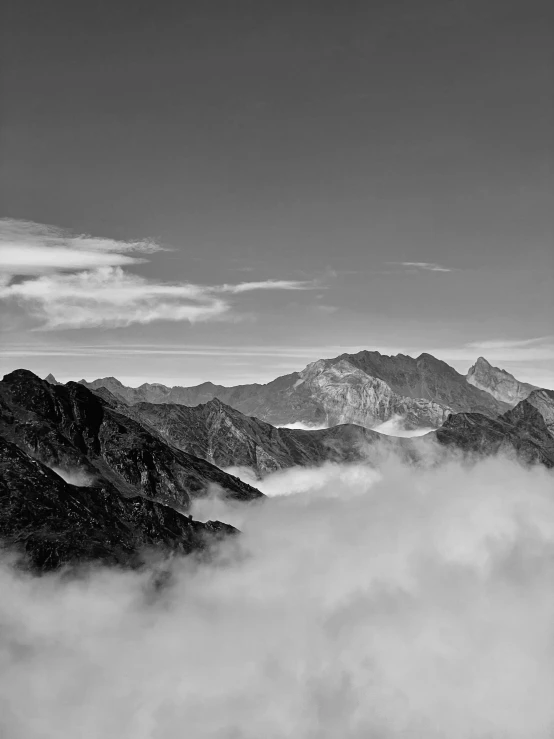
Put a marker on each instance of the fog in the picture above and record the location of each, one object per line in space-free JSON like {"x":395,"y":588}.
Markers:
{"x":396,"y":426}
{"x":303,"y":426}
{"x":363,"y":604}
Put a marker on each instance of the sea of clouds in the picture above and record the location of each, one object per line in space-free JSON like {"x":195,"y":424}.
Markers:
{"x":360,"y":604}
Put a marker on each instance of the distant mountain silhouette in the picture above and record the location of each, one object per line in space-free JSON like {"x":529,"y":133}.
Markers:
{"x":226,"y":437}
{"x":364,"y":388}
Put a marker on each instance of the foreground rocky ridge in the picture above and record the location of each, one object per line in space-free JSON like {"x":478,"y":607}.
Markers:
{"x":366,"y":388}
{"x":52,"y":523}
{"x":497,"y":382}
{"x":69,"y":428}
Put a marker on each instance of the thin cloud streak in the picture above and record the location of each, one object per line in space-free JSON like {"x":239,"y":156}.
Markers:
{"x":427,"y":266}
{"x":509,"y":343}
{"x":243,"y":287}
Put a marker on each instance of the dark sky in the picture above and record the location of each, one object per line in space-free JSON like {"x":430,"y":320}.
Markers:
{"x":298,"y":141}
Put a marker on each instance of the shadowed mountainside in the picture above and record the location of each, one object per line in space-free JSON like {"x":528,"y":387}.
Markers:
{"x":521,"y":431}
{"x":53,"y":523}
{"x":226,"y":437}
{"x":69,"y":428}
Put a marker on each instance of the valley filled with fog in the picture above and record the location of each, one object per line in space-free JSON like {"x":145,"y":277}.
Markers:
{"x":357,"y":602}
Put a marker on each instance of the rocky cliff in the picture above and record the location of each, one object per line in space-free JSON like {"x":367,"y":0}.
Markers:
{"x":497,"y":382}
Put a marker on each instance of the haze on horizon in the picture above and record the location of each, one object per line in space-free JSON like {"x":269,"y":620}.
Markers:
{"x":227,"y":192}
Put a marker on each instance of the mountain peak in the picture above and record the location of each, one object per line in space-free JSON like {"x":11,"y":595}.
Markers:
{"x":21,"y":375}
{"x":498,"y":382}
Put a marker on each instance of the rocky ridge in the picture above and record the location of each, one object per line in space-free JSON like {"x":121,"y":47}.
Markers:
{"x":521,"y":432}
{"x":222,"y":435}
{"x":70,"y":428}
{"x":52,"y":523}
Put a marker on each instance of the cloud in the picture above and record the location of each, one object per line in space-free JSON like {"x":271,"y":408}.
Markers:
{"x":303,"y":426}
{"x":68,"y":282}
{"x":243,"y":287}
{"x":110,"y":297}
{"x":32,"y":248}
{"x":396,"y":426}
{"x":500,"y":344}
{"x":370,"y":604}
{"x":429,"y":266}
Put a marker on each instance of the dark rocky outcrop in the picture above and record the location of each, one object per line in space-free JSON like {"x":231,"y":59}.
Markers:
{"x":69,"y":428}
{"x":497,"y":382}
{"x":53,"y":523}
{"x":521,"y":432}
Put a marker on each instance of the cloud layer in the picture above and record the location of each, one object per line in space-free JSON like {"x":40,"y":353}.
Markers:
{"x":82,"y":282}
{"x":384,"y":604}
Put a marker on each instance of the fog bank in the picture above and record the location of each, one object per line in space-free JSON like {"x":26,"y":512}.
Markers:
{"x":389,"y":604}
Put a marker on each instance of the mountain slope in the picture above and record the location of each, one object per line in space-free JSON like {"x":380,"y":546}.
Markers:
{"x":226,"y":437}
{"x":521,"y":431}
{"x":497,"y":382}
{"x":543,"y":401}
{"x":54,"y":523}
{"x":70,"y":428}
{"x":365,"y":388}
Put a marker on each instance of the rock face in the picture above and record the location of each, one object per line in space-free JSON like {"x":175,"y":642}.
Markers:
{"x":365,"y":388}
{"x":69,"y":428}
{"x":53,"y":523}
{"x":521,"y":432}
{"x":543,"y":401}
{"x":222,"y":435}
{"x":500,"y":384}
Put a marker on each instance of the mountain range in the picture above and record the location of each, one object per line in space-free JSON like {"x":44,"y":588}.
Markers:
{"x":366,"y":388}
{"x":93,"y":471}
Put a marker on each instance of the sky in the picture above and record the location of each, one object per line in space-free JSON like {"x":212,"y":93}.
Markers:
{"x":227,"y":191}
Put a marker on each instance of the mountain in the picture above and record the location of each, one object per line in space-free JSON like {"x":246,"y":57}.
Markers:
{"x":521,"y":431}
{"x":222,"y":435}
{"x":226,"y":437}
{"x":69,"y":428}
{"x":500,"y":384}
{"x":543,"y":401}
{"x":54,"y":523}
{"x":364,"y":388}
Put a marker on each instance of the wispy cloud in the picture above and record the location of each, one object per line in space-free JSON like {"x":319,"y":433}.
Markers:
{"x":427,"y":266}
{"x":80,"y":282}
{"x":28,"y":248}
{"x":510,"y":343}
{"x":243,"y":287}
